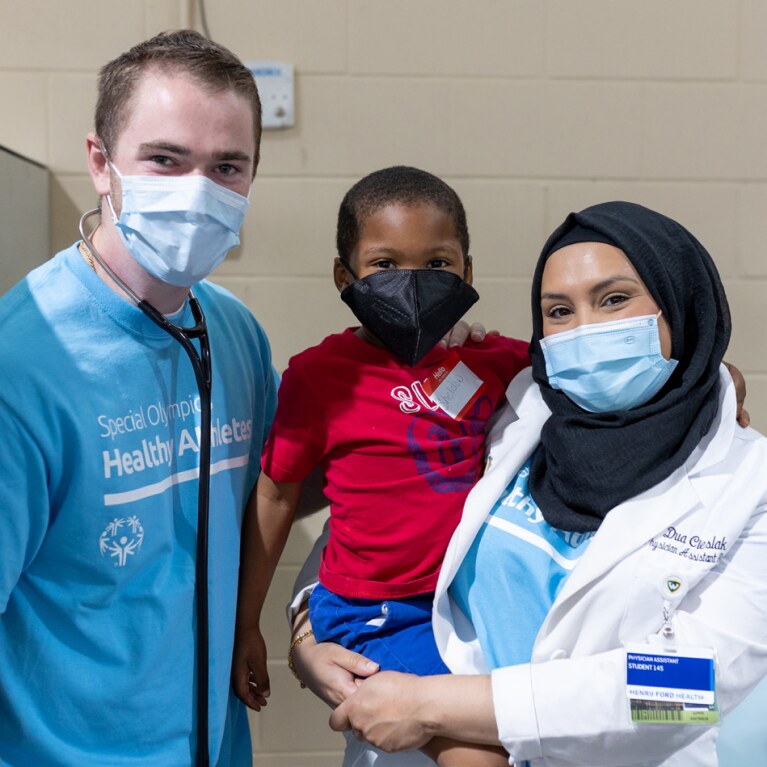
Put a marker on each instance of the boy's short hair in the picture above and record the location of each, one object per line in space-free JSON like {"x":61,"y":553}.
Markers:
{"x":212,"y":65}
{"x":398,"y":185}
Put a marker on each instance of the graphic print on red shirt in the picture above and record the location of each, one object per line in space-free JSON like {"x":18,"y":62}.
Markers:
{"x":397,"y":467}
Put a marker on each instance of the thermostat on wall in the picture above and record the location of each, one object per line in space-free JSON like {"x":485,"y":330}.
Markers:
{"x":275,"y":87}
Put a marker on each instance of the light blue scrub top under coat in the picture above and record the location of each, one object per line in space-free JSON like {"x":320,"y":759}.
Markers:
{"x":98,"y":515}
{"x":512,"y":574}
{"x":743,"y":736}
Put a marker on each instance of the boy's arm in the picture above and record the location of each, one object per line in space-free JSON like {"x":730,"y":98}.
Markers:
{"x":268,"y":517}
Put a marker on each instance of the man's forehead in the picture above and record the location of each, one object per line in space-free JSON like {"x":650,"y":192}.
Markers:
{"x":163,"y":82}
{"x":170,"y":108}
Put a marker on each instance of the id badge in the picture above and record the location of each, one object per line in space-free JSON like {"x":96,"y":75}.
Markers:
{"x":671,"y":685}
{"x":454,"y":387}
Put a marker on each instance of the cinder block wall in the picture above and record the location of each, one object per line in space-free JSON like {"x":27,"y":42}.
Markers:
{"x":530,"y":108}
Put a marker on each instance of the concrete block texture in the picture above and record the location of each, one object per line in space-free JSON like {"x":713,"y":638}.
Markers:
{"x":77,"y":35}
{"x":528,"y":108}
{"x":311,"y":35}
{"x":506,"y":128}
{"x":291,"y":223}
{"x":752,"y":205}
{"x":753,"y":53}
{"x":358,"y":124}
{"x":689,"y":203}
{"x":487,"y":39}
{"x":652,"y":40}
{"x":704,"y":132}
{"x":74,"y":95}
{"x":23,"y":128}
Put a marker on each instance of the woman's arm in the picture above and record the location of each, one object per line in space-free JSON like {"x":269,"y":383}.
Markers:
{"x":575,"y":710}
{"x":328,"y":670}
{"x":397,"y":711}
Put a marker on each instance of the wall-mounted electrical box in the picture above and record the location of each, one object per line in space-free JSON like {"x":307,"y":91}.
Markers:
{"x":275,"y":87}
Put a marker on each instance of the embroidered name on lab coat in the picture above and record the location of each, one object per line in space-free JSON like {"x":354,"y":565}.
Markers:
{"x":709,"y":549}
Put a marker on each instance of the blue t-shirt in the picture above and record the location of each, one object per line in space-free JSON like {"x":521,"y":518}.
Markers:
{"x":99,"y":415}
{"x":512,"y":574}
{"x":743,"y":737}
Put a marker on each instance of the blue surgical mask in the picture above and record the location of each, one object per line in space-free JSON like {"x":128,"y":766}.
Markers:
{"x":178,"y":228}
{"x":610,"y":366}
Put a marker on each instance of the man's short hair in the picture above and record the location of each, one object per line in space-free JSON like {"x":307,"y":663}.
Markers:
{"x":398,"y":185}
{"x":212,"y":65}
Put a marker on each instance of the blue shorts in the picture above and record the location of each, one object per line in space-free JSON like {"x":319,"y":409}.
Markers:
{"x":395,"y":633}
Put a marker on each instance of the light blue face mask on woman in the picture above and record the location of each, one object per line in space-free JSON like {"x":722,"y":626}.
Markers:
{"x":609,"y":366}
{"x":178,"y":228}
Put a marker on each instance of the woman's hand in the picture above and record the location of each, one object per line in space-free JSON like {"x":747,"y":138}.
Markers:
{"x":400,"y":711}
{"x":742,"y":416}
{"x":330,"y":671}
{"x":461,"y":332}
{"x":385,"y":712}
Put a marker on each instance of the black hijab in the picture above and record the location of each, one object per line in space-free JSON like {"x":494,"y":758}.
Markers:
{"x":588,"y":463}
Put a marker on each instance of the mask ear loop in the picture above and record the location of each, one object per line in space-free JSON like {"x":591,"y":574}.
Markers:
{"x":104,"y":151}
{"x":346,"y":265}
{"x":467,"y":262}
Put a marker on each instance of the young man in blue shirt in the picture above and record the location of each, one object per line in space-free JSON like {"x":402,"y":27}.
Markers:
{"x":100,"y":414}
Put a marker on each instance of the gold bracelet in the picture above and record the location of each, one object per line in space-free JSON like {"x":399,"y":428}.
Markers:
{"x":297,"y":641}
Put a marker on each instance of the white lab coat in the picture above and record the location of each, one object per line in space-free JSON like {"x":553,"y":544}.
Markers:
{"x":569,"y":705}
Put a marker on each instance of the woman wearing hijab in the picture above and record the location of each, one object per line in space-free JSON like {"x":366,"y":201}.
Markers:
{"x":604,"y":599}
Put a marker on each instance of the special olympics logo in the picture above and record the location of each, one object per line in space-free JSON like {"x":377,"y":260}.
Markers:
{"x":121,"y":539}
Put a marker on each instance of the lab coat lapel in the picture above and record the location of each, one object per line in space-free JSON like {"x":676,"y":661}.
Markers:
{"x":510,"y":444}
{"x":631,"y":525}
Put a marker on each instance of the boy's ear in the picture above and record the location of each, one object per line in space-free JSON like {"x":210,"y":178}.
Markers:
{"x":341,"y":275}
{"x":469,"y":270}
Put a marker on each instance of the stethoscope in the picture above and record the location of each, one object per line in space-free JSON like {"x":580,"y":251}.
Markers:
{"x":202,"y":373}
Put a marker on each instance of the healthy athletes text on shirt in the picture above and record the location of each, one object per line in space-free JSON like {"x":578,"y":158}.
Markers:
{"x":150,"y":449}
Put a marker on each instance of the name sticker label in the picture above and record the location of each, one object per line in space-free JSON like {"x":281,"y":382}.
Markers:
{"x":453,"y":387}
{"x":671,"y":686}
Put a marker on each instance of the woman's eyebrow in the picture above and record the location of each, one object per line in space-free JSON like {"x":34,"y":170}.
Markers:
{"x":609,"y":282}
{"x":554,"y":296}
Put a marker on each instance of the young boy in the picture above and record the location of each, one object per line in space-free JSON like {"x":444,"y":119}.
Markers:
{"x":397,"y":424}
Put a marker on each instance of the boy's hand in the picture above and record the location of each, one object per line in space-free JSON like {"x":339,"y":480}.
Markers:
{"x":250,"y":679}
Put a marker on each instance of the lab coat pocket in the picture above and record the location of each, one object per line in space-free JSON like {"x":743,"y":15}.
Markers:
{"x":643,"y":613}
{"x":662,"y":577}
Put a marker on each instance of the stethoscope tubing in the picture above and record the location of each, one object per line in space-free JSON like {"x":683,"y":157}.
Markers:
{"x":201,"y":364}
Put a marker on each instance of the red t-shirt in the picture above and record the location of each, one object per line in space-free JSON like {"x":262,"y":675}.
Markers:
{"x":397,"y":468}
